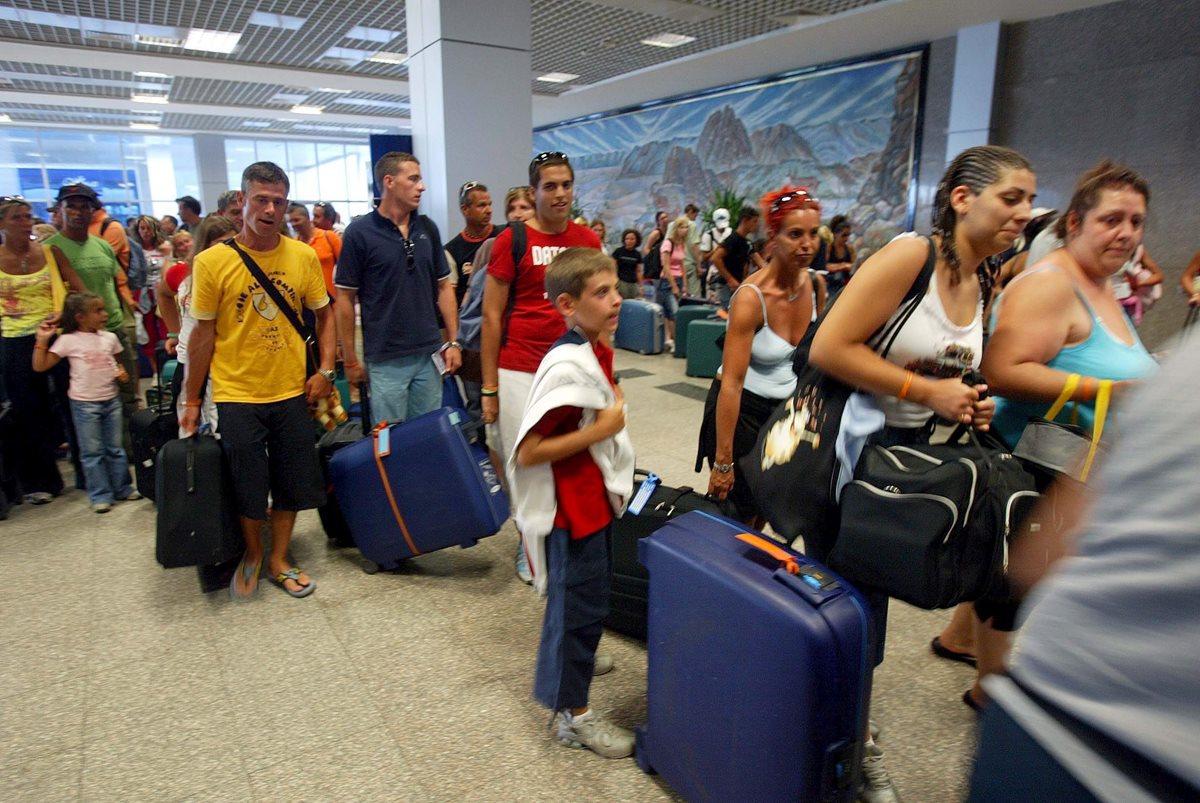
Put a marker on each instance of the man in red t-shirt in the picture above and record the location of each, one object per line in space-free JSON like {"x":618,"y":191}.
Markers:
{"x":515,"y":338}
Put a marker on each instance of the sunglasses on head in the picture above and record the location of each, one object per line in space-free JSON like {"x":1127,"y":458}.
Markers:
{"x":798,"y":195}
{"x":12,"y":199}
{"x":465,"y":190}
{"x":546,"y":156}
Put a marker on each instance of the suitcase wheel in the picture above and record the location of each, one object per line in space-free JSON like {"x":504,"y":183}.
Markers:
{"x":369,"y":566}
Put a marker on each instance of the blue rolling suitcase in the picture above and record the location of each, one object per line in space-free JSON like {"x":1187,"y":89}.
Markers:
{"x":758,"y":669}
{"x":640,"y":327}
{"x":417,"y":487}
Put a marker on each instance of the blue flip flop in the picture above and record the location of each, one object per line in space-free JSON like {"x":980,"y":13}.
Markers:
{"x":293,"y":574}
{"x":248,"y":574}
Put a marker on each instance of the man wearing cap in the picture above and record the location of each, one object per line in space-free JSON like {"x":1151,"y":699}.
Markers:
{"x":96,"y":264}
{"x":475,"y":202}
{"x":712,"y":238}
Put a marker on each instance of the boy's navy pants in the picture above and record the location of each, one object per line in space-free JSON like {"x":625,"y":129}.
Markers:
{"x":580,"y":575}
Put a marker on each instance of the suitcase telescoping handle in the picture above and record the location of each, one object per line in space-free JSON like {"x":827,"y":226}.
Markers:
{"x":814,"y":584}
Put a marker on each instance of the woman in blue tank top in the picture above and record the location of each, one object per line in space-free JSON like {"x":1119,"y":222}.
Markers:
{"x":766,"y":321}
{"x":1060,"y":316}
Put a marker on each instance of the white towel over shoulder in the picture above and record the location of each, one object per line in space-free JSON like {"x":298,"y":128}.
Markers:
{"x":569,"y":376}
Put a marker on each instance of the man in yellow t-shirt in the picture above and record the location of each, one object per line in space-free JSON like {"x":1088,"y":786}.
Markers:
{"x":260,"y":382}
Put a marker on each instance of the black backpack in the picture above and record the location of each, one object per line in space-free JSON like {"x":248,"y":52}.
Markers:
{"x":652,"y":264}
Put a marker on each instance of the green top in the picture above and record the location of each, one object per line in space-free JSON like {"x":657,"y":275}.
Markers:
{"x":97,"y":266}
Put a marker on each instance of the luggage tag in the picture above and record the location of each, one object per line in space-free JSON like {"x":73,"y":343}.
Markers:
{"x":383,"y":442}
{"x":644,"y":493}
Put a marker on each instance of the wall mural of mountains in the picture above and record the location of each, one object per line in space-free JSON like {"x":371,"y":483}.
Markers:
{"x":847,"y":133}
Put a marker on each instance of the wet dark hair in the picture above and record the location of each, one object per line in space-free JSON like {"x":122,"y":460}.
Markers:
{"x":748,"y":213}
{"x":976,"y":169}
{"x":839,"y":223}
{"x":75,"y":305}
{"x":637,"y":237}
{"x":1107,"y":175}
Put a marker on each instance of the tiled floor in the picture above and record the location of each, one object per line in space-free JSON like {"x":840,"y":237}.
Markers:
{"x":121,"y":681}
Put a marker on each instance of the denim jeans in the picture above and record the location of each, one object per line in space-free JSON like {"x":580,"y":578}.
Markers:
{"x":404,"y":388}
{"x":98,"y":427}
{"x":579,"y":577}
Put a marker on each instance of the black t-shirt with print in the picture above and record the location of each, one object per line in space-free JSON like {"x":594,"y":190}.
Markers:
{"x":628,"y":260}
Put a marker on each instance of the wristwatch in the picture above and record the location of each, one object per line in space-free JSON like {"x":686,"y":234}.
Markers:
{"x":724,"y":468}
{"x":328,"y":374}
{"x":451,"y":344}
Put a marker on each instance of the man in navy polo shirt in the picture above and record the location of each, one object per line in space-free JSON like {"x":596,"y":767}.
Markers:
{"x":392,"y":264}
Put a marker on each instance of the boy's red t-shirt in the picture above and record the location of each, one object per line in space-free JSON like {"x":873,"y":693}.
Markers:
{"x":583,"y":506}
{"x":535,"y":324}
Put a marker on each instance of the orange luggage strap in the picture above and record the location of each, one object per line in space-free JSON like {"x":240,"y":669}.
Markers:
{"x":387,"y":488}
{"x":785,"y":558}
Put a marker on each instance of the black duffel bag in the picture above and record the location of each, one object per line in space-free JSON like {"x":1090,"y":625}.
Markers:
{"x":930,"y":524}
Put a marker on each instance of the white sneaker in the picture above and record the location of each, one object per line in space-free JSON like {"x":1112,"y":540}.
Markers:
{"x":523,"y":572}
{"x":877,"y":785}
{"x":604,"y":663}
{"x":596,"y":733}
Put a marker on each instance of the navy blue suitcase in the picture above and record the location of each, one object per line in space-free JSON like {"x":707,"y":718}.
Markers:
{"x":417,"y":487}
{"x":758,"y":674}
{"x":640,"y":327}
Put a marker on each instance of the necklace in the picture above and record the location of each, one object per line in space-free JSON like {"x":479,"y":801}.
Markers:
{"x":24,"y":259}
{"x":799,"y":289}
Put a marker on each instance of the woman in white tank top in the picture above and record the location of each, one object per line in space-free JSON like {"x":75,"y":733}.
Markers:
{"x":982,"y":204}
{"x":768,"y":315}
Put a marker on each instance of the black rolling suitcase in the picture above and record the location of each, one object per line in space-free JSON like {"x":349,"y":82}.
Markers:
{"x":197,"y":514}
{"x":149,"y":431}
{"x":630,"y":581}
{"x":328,"y":445}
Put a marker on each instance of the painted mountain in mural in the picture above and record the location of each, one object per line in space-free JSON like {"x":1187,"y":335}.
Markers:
{"x":847,"y":133}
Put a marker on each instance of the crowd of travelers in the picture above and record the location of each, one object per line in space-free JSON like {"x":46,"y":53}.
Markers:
{"x":1019,"y":300}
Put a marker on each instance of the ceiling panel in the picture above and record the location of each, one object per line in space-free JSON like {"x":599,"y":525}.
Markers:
{"x":596,"y":39}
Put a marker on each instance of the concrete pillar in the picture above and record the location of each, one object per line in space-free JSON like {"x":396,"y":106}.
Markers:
{"x":470,"y":79}
{"x":210,"y":168}
{"x":976,"y":69}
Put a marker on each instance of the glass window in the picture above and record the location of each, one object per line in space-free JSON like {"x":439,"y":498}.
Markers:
{"x":144,"y":173}
{"x":331,"y":168}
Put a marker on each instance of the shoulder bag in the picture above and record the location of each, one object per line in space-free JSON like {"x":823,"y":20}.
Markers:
{"x":1064,"y":450}
{"x":791,"y":470}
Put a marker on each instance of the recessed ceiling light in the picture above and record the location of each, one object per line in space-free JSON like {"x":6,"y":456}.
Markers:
{"x":348,"y":54}
{"x":211,"y":41}
{"x":144,"y":126}
{"x":144,"y":74}
{"x":331,"y":89}
{"x":256,"y":124}
{"x":268,"y":20}
{"x":368,"y":34}
{"x":4,"y":118}
{"x":668,"y":40}
{"x":379,"y":104}
{"x":384,"y":57}
{"x":307,"y":109}
{"x":159,"y":41}
{"x":140,"y":98}
{"x":557,"y":77}
{"x":293,"y":98}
